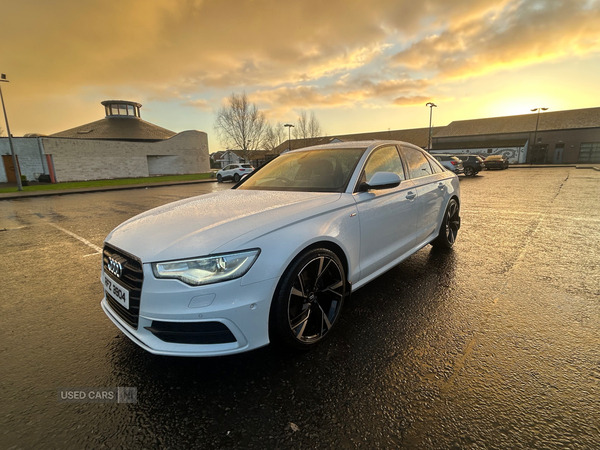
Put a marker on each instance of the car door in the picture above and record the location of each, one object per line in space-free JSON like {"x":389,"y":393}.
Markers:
{"x":388,"y":217}
{"x":228,"y":171}
{"x":431,"y":187}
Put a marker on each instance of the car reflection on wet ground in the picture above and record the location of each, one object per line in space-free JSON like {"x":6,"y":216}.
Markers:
{"x":494,"y":344}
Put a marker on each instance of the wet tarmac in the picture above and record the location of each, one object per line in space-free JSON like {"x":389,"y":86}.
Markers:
{"x":494,"y":344}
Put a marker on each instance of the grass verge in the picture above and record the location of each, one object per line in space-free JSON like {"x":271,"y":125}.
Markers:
{"x":103,"y":183}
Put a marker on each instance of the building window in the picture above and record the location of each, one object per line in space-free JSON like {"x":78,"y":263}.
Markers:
{"x":589,"y":152}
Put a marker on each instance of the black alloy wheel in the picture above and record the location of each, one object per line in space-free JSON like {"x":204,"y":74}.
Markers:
{"x":308,"y":300}
{"x":219,"y":178}
{"x":450,"y":226}
{"x":236,"y":177}
{"x":469,"y":172}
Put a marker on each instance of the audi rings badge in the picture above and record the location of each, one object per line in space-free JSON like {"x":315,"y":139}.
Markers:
{"x":114,"y":267}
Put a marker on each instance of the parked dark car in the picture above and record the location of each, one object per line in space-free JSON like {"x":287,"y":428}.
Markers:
{"x":496,"y":162}
{"x":473,"y":164}
{"x":450,"y":162}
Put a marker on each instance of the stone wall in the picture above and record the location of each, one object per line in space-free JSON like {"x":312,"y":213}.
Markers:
{"x":83,"y":159}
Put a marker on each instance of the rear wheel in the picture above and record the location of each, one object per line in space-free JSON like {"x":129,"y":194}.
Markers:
{"x":308,"y":300}
{"x":236,"y":177}
{"x":450,"y":226}
{"x":469,"y":172}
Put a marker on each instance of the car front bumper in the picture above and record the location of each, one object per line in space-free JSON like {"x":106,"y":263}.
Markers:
{"x":181,"y":320}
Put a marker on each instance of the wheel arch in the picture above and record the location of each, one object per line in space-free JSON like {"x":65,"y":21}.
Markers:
{"x":329,"y":245}
{"x":335,"y":248}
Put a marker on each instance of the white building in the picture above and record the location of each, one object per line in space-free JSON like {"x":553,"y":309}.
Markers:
{"x":121,"y":145}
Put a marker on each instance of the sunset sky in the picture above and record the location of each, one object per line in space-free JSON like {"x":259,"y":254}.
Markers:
{"x":359,"y":65}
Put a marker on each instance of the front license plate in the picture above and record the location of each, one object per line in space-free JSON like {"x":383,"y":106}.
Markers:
{"x":116,"y":291}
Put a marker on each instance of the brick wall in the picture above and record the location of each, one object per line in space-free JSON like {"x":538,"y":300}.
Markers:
{"x":83,"y":159}
{"x":29,"y":156}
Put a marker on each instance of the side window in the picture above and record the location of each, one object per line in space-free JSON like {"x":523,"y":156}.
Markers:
{"x":435,"y":165}
{"x":418,"y":165}
{"x":385,"y":159}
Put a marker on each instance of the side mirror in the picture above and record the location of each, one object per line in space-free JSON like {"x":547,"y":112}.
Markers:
{"x":381,"y":180}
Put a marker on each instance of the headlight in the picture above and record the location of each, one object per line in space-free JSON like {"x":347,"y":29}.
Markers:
{"x":207,"y":270}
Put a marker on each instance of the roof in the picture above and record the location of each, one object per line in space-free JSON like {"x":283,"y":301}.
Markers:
{"x":552,"y":120}
{"x":118,"y":128}
{"x":481,"y":143}
{"x":349,"y":144}
{"x":252,"y":154}
{"x":416,"y":136}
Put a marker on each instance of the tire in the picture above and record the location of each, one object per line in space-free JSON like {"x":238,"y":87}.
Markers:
{"x":308,"y":300}
{"x":450,"y":226}
{"x":219,"y":178}
{"x":236,"y":177}
{"x":469,"y":172}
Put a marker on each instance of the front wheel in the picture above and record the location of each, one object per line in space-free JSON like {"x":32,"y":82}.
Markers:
{"x":308,"y":300}
{"x":450,"y":226}
{"x":219,"y":178}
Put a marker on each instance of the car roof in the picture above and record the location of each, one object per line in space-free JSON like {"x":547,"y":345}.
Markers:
{"x":354,"y":144}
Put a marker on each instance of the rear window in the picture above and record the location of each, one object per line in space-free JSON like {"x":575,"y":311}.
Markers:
{"x":246,"y":166}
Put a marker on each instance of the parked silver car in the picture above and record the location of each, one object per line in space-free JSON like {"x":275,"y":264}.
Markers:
{"x":451,"y":163}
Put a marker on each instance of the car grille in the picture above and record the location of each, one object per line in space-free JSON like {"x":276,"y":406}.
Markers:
{"x":132,"y":279}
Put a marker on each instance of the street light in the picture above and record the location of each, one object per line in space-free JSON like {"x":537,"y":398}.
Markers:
{"x":537,"y":122}
{"x":12,"y":149}
{"x":431,"y":106}
{"x":289,"y":127}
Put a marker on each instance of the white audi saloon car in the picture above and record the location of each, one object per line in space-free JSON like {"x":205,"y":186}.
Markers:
{"x":274,"y":258}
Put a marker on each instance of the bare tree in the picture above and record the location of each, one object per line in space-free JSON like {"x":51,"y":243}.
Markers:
{"x":307,"y":128}
{"x":240,"y":125}
{"x":274,"y":136}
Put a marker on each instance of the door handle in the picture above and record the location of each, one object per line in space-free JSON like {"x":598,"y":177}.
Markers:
{"x":441,"y":186}
{"x":410,"y":195}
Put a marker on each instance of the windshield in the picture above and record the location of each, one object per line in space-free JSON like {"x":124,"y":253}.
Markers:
{"x":327,"y":170}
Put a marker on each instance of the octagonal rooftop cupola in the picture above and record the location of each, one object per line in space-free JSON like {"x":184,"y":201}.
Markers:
{"x":122,"y":108}
{"x":123,"y":122}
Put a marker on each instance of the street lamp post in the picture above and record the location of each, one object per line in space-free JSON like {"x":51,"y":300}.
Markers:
{"x":10,"y":143}
{"x":431,"y":106}
{"x":537,"y":122}
{"x":289,"y":126}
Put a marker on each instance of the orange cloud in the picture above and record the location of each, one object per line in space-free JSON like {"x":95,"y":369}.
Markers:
{"x":522,"y":33}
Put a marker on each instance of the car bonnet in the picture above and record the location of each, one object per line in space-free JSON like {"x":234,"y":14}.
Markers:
{"x":197,"y":226}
